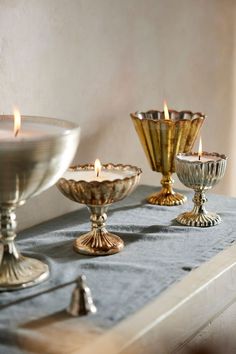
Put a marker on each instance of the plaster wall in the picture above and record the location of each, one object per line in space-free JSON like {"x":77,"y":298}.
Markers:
{"x":95,"y":61}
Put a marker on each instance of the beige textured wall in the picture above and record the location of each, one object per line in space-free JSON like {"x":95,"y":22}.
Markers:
{"x":95,"y":61}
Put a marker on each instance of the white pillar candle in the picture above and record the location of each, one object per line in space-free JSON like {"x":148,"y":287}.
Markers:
{"x":201,"y":157}
{"x":206,"y":157}
{"x":90,"y":175}
{"x":28,"y":131}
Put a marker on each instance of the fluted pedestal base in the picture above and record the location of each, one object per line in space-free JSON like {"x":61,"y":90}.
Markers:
{"x":22,"y":272}
{"x":166,"y":198}
{"x":199,"y":216}
{"x":98,"y":243}
{"x":199,"y":220}
{"x":16,"y":271}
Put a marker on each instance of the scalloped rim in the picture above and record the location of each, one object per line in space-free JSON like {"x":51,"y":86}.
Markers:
{"x":221,"y":157}
{"x":168,"y":121}
{"x":90,"y":167}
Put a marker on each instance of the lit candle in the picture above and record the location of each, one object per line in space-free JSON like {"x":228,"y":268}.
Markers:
{"x":97,"y":167}
{"x":17,"y":122}
{"x":33,"y":156}
{"x":200,"y":171}
{"x":164,"y":134}
{"x":166,"y":111}
{"x":200,"y":156}
{"x":98,"y":187}
{"x":17,"y":128}
{"x":97,"y":173}
{"x":200,"y":149}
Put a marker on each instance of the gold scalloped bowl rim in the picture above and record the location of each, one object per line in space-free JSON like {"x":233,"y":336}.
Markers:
{"x":193,"y":116}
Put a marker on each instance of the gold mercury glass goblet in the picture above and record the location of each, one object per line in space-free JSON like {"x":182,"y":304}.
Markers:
{"x":29,"y":165}
{"x":98,"y":194}
{"x":200,"y":173}
{"x":163,"y":135}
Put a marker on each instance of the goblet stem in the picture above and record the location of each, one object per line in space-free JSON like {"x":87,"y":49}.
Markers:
{"x":199,"y":216}
{"x":8,"y":226}
{"x":98,"y":242}
{"x":167,"y":196}
{"x":16,"y":271}
{"x":199,"y":201}
{"x":167,"y":182}
{"x":98,"y":219}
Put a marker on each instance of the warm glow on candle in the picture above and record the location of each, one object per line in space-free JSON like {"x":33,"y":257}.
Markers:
{"x":166,"y":112}
{"x":17,"y":122}
{"x":200,"y":149}
{"x":97,"y":167}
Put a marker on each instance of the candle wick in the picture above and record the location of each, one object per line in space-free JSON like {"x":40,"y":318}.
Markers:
{"x":16,"y":133}
{"x":199,"y":157}
{"x":97,"y":173}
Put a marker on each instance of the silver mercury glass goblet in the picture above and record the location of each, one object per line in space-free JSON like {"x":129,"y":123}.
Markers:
{"x":28,"y":167}
{"x":200,"y":176}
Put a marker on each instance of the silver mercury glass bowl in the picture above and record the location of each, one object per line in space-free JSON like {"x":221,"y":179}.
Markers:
{"x":28,"y":168}
{"x":97,"y":196}
{"x":200,"y":176}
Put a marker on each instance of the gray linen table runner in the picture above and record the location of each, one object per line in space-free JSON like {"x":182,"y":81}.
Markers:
{"x":158,"y":252}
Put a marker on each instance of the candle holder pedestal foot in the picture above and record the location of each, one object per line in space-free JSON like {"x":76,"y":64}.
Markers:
{"x":167,"y":196}
{"x":199,"y":216}
{"x":98,"y":242}
{"x":16,"y":270}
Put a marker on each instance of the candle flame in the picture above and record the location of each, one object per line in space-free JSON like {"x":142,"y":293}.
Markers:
{"x":17,"y":122}
{"x":200,"y":149}
{"x":97,"y":167}
{"x":166,"y":112}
